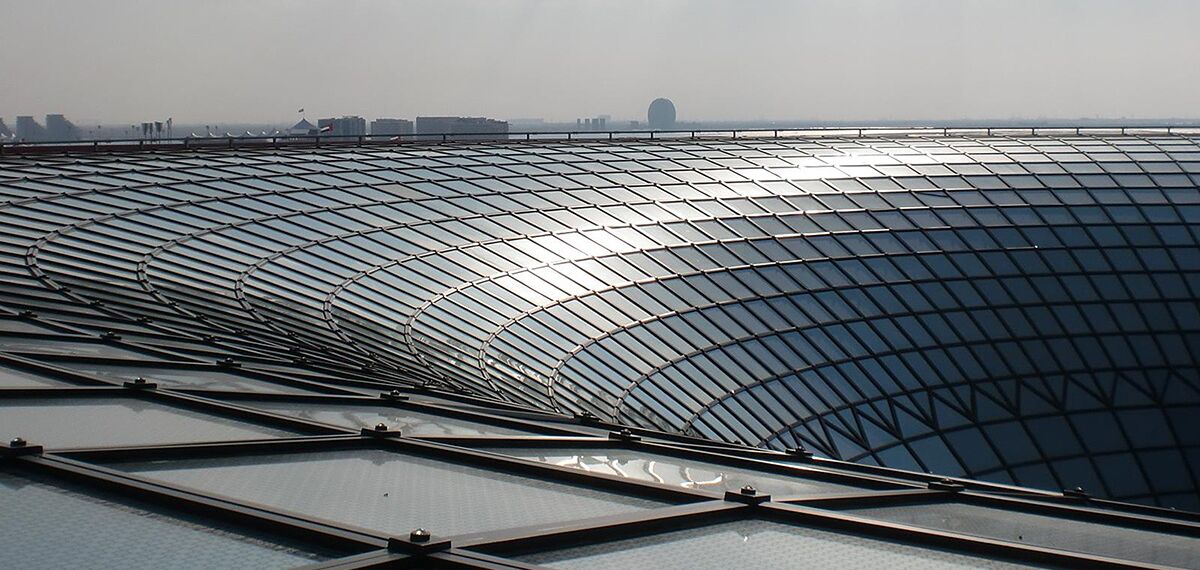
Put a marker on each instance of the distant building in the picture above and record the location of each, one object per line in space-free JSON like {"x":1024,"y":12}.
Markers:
{"x":4,"y":132}
{"x":58,"y":128}
{"x":29,"y":130}
{"x":592,"y":124}
{"x":464,"y":128}
{"x":391,"y":127}
{"x":661,"y":114}
{"x":345,"y":126}
{"x":303,"y":128}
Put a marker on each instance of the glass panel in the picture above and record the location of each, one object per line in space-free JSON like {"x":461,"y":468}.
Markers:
{"x":106,"y":422}
{"x":391,"y":492}
{"x":1041,"y":530}
{"x":13,"y":378}
{"x":18,"y":326}
{"x":687,"y":473}
{"x":184,"y":378}
{"x":73,"y":348}
{"x":68,"y":526}
{"x":408,"y":422}
{"x":755,"y":544}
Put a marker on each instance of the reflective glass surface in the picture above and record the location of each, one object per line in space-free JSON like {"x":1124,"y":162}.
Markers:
{"x":91,"y":422}
{"x":359,"y":416}
{"x":1049,"y":531}
{"x":1002,"y":305}
{"x":686,"y":473}
{"x":61,"y":525}
{"x":52,"y":346}
{"x":15,"y":326}
{"x":755,"y":544}
{"x":392,"y":492}
{"x":185,"y":378}
{"x":14,"y":378}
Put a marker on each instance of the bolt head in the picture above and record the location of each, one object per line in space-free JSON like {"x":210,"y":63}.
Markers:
{"x":381,"y":426}
{"x":749,"y":490}
{"x":419,"y":535}
{"x":139,"y":380}
{"x":396,"y":393}
{"x":17,"y":442}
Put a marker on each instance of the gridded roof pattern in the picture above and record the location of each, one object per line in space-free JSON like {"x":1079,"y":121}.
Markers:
{"x":556,"y":352}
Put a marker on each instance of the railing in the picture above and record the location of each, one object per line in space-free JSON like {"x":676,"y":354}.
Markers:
{"x":270,"y":141}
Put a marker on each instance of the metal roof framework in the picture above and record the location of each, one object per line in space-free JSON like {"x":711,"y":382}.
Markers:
{"x":83,"y":342}
{"x":99,"y":469}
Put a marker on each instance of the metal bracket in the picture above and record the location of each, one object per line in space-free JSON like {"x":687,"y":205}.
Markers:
{"x":623,"y":435}
{"x":747,"y":495}
{"x":393,"y":396}
{"x":18,"y":447}
{"x":800,"y":453}
{"x":140,"y":383}
{"x":419,"y":541}
{"x":381,"y":430}
{"x":1077,"y":493}
{"x":948,"y":485}
{"x":587,"y":418}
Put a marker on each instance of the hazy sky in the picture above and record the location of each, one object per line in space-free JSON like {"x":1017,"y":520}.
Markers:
{"x":260,"y":60}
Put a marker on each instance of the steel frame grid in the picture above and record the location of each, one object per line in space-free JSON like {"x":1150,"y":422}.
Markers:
{"x":729,"y":449}
{"x":511,"y":416}
{"x":315,"y":141}
{"x":708,"y":511}
{"x":705,"y":507}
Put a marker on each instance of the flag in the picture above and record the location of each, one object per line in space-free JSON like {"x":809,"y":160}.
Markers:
{"x":326,"y":129}
{"x":301,"y":110}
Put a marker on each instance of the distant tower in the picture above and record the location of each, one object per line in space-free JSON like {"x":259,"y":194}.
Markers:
{"x":661,"y":114}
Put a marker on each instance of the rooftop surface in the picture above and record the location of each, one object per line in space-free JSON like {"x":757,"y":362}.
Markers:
{"x":875,"y":349}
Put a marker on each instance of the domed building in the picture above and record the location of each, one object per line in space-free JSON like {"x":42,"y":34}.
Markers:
{"x":661,"y":114}
{"x":951,"y":348}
